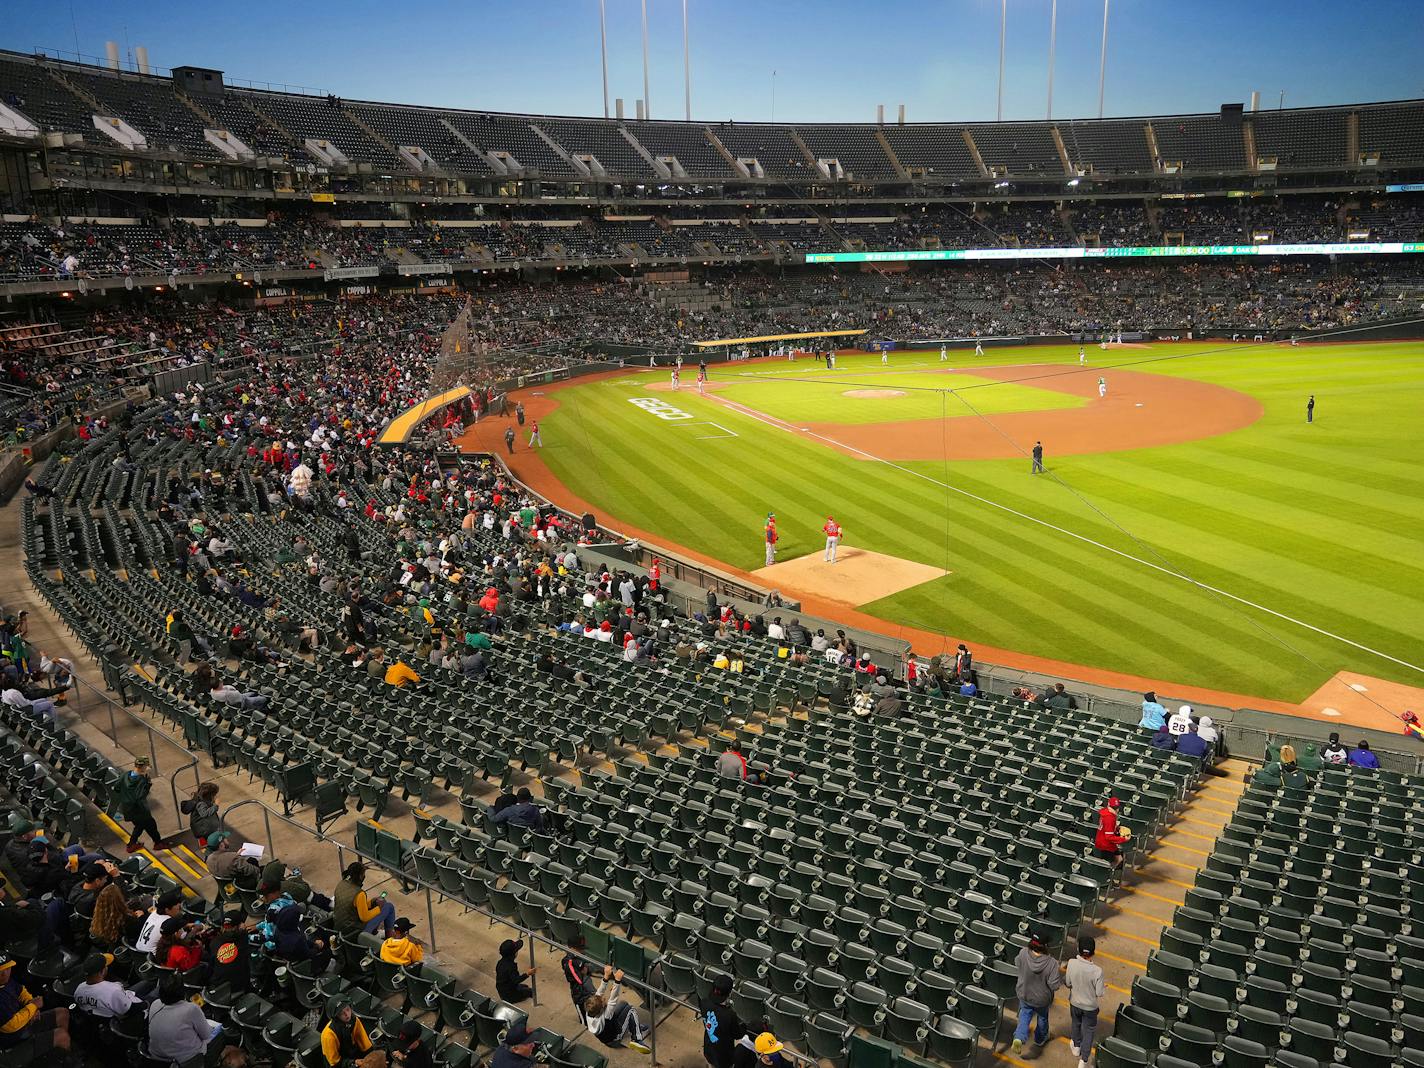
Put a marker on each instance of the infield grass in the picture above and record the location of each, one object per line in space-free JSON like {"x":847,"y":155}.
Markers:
{"x":1322,"y":523}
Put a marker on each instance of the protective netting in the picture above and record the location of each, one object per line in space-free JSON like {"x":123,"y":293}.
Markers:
{"x":462,"y":355}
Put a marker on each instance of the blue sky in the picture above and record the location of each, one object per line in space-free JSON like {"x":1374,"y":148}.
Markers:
{"x":835,"y":59}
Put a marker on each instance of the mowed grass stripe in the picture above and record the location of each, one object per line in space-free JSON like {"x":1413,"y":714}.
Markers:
{"x":1314,"y":521}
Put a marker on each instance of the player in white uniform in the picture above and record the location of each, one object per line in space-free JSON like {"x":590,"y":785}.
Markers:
{"x":978,"y":348}
{"x":884,"y":357}
{"x":676,"y":375}
{"x":943,"y":354}
{"x":1081,"y":356}
{"x":1102,"y":387}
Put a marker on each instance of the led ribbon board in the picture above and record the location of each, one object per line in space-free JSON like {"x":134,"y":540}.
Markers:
{"x":1336,"y":248}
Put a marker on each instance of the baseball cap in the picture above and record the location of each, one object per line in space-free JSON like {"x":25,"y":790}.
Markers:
{"x":97,"y":962}
{"x":173,"y":925}
{"x":234,"y":917}
{"x":767,"y":1044}
{"x":517,"y":1034}
{"x":142,"y":762}
{"x":403,"y":924}
{"x":510,"y":946}
{"x":722,"y":984}
{"x":1113,"y":802}
{"x":5,"y":961}
{"x":167,"y":900}
{"x":93,"y":870}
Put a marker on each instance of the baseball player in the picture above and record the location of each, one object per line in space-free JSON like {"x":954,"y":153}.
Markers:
{"x":1081,"y":356}
{"x":534,"y":438}
{"x":943,"y":354}
{"x":771,"y":538}
{"x":1102,"y":387}
{"x":702,"y":381}
{"x":884,"y":356}
{"x":676,"y":377}
{"x":978,"y":348}
{"x":832,"y":531}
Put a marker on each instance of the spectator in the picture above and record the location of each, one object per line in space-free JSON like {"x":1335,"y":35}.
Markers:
{"x":1059,"y":698}
{"x":344,"y":1041}
{"x":169,"y":905}
{"x":967,"y":688}
{"x":38,"y":706}
{"x":230,"y":695}
{"x":1163,"y":739}
{"x":400,"y":675}
{"x":178,"y":946}
{"x":225,"y":863}
{"x":99,"y":996}
{"x":1361,"y":757}
{"x":1084,"y":981}
{"x":1038,"y":978}
{"x":1154,"y":714}
{"x":114,"y":922}
{"x":722,"y":1027}
{"x":1334,"y":753}
{"x":132,"y":797}
{"x":1206,"y":727}
{"x":23,"y":1016}
{"x":523,"y":812}
{"x":202,"y":812}
{"x":92,"y":879}
{"x":401,"y":947}
{"x":517,"y":1050}
{"x":611,"y":1019}
{"x":731,"y":764}
{"x":1181,"y":721}
{"x":768,"y":1051}
{"x":1108,"y":841}
{"x":353,"y":913}
{"x":509,"y":981}
{"x":177,"y":1029}
{"x":291,"y":943}
{"x":230,"y":953}
{"x":1191,"y":744}
{"x":577,"y":971}
{"x":410,"y":1050}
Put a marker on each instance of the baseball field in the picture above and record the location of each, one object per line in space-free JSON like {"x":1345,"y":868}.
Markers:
{"x":1191,"y":524}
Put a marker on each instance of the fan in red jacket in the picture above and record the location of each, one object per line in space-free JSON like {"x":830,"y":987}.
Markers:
{"x":1109,"y":839}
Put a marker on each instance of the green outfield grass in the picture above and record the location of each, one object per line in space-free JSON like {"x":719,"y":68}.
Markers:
{"x":1321,"y":523}
{"x":800,"y":394}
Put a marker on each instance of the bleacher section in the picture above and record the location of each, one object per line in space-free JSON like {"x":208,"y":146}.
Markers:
{"x":1295,"y":947}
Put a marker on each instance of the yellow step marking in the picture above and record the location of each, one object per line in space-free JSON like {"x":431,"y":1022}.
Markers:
{"x":1155,"y":897}
{"x":1175,"y":863}
{"x":196,"y":859}
{"x":151,"y":858}
{"x":1183,"y":849}
{"x":1154,"y":943}
{"x":184,"y":864}
{"x":1122,"y":960}
{"x":1143,"y":915}
{"x":1189,"y":834}
{"x":1120,"y":990}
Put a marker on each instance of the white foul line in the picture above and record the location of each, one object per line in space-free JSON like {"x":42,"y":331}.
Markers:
{"x":782,"y":425}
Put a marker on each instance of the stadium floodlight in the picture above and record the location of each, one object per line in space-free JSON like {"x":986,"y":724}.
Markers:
{"x":1073,"y":183}
{"x":1001,"y":185}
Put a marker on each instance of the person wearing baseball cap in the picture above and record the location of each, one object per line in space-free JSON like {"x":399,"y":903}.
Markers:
{"x":100,"y":996}
{"x":508,"y":979}
{"x":517,"y":1048}
{"x":768,"y":1050}
{"x":401,"y":947}
{"x":132,"y":796}
{"x":1038,"y":978}
{"x":344,"y":1040}
{"x":23,"y":1017}
{"x":409,"y":1049}
{"x":170,"y":903}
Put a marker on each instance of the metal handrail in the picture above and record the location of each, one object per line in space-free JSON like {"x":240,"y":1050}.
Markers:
{"x":192,"y":763}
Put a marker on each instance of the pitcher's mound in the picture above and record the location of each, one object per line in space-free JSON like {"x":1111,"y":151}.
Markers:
{"x":873,"y":394}
{"x":689,"y":385}
{"x":857,"y":577}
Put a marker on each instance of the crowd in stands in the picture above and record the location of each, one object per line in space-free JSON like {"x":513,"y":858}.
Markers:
{"x":285,"y":240}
